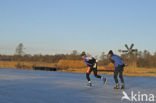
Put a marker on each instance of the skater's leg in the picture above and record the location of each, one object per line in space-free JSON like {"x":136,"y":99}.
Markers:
{"x":88,"y":73}
{"x":88,"y":78}
{"x":116,"y":76}
{"x":121,"y":77}
{"x":95,"y":73}
{"x":98,"y":76}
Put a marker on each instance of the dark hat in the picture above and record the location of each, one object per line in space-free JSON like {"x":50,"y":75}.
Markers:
{"x":110,"y":52}
{"x":83,"y":54}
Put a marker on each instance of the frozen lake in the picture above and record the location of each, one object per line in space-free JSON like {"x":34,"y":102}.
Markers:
{"x":21,"y":86}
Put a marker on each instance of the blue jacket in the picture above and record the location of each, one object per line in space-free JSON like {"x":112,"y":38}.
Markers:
{"x":116,"y":60}
{"x":90,"y":61}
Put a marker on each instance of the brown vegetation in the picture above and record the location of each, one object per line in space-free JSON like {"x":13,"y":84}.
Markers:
{"x":143,"y":65}
{"x":24,"y":65}
{"x":71,"y":64}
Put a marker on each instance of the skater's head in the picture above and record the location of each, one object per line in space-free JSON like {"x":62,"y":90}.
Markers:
{"x":110,"y":53}
{"x":83,"y":54}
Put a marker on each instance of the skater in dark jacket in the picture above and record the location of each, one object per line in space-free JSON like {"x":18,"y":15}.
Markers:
{"x":92,"y":66}
{"x":119,"y":68}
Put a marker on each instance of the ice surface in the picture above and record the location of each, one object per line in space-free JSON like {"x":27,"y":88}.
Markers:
{"x":21,"y":86}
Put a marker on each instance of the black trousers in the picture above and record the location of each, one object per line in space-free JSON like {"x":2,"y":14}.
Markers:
{"x":94,"y":69}
{"x":118,"y":72}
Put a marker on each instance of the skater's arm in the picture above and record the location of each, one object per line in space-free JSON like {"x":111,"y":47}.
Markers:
{"x":86,"y":62}
{"x":89,"y":64}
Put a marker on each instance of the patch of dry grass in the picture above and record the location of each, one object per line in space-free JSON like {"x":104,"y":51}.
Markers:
{"x":24,"y":65}
{"x":77,"y":67}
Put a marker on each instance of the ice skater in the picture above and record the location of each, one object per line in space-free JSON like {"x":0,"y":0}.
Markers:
{"x":92,"y":66}
{"x":119,"y":68}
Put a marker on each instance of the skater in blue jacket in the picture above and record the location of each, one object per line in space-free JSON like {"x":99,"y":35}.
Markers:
{"x":119,"y":68}
{"x":91,"y":63}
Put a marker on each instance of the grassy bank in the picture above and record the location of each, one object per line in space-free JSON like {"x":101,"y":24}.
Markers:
{"x":150,"y":72}
{"x":145,"y":72}
{"x":24,"y":65}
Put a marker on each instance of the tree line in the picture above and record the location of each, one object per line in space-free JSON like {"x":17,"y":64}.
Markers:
{"x":143,"y":59}
{"x":146,"y":59}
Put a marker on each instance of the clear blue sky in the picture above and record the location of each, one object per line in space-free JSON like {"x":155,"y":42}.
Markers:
{"x":60,"y":26}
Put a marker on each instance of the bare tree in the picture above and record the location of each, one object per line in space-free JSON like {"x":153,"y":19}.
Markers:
{"x":103,"y":59}
{"x":20,"y":49}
